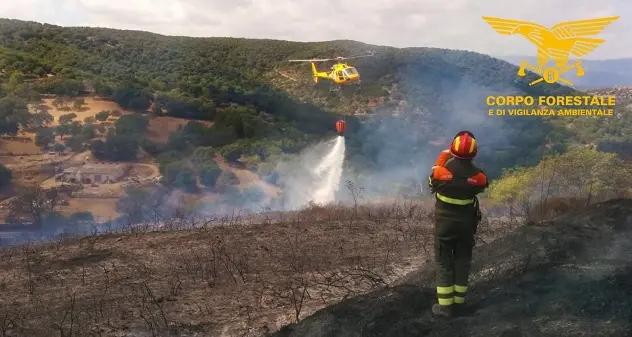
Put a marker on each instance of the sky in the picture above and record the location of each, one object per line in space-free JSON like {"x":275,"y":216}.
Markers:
{"x":453,"y":24}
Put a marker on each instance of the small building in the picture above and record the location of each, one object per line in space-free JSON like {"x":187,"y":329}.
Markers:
{"x":93,"y":173}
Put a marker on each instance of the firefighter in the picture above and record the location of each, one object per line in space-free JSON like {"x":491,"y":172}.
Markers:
{"x":455,"y":182}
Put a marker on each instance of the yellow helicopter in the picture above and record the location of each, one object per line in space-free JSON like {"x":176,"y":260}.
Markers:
{"x":341,"y":73}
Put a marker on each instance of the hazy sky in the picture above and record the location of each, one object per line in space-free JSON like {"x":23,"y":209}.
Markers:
{"x":455,"y":24}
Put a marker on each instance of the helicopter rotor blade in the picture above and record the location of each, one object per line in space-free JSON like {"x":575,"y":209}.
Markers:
{"x":312,"y":60}
{"x":355,"y":57}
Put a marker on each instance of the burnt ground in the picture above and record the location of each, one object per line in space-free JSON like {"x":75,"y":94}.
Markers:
{"x":568,"y":277}
{"x":192,"y":276}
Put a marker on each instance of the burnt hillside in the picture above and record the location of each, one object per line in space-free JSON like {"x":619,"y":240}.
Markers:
{"x":568,"y":277}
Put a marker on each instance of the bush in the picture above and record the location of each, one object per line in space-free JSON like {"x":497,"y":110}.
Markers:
{"x":185,"y":180}
{"x":580,"y":176}
{"x":81,"y":216}
{"x":209,"y":174}
{"x":204,"y":155}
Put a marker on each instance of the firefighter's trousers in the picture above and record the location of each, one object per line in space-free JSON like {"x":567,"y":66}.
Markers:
{"x":454,"y":242}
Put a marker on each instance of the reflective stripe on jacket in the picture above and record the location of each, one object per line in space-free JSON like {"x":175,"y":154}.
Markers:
{"x":455,"y":185}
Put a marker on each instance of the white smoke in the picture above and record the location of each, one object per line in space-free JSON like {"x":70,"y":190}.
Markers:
{"x":314,"y":175}
{"x":329,"y":172}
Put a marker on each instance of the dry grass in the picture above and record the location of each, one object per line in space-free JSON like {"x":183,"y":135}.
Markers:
{"x":248,"y":178}
{"x":228,"y":276}
{"x":91,"y":108}
{"x":15,"y":147}
{"x":161,"y":127}
{"x":103,"y":209}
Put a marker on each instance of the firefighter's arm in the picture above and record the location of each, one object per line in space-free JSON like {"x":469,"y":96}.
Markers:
{"x":439,"y":177}
{"x":442,"y":158}
{"x":478,"y":182}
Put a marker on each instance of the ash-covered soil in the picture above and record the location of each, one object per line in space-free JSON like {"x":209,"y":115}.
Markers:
{"x":567,"y":277}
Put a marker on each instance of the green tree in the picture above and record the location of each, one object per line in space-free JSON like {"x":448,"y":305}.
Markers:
{"x":132,"y":125}
{"x":75,"y":128}
{"x":67,"y":118}
{"x":98,"y":149}
{"x":41,"y":119}
{"x":89,"y":131}
{"x":232,"y":152}
{"x":209,"y":174}
{"x":16,"y":82}
{"x":177,"y":141}
{"x":63,"y":130}
{"x":204,"y":155}
{"x":185,"y":180}
{"x":78,"y":104}
{"x":133,"y":205}
{"x":167,"y":158}
{"x":59,"y":148}
{"x":170,"y":171}
{"x":102,"y":116}
{"x":5,"y":176}
{"x":75,"y":143}
{"x":44,"y":137}
{"x":116,"y":148}
{"x":14,"y":115}
{"x":60,"y":102}
{"x":196,"y":133}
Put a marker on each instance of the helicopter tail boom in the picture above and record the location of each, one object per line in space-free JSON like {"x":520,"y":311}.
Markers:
{"x":318,"y":74}
{"x":315,"y":72}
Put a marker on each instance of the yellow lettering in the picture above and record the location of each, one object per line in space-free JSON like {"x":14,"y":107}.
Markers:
{"x":612,"y":100}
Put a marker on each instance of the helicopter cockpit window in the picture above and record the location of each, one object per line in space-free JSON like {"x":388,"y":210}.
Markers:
{"x":351,"y":71}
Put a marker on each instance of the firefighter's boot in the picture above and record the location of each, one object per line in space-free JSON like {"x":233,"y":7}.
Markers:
{"x":442,"y":310}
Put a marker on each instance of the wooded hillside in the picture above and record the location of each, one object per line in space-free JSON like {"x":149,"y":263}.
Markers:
{"x":264,"y":106}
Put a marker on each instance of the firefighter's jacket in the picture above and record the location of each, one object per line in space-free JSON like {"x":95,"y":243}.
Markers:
{"x":455,"y":184}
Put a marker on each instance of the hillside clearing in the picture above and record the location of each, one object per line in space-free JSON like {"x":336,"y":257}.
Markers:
{"x":103,"y":209}
{"x":18,"y":147}
{"x":90,"y":109}
{"x":161,"y":127}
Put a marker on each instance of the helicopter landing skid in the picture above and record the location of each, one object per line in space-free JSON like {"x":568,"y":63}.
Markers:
{"x":334,"y":87}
